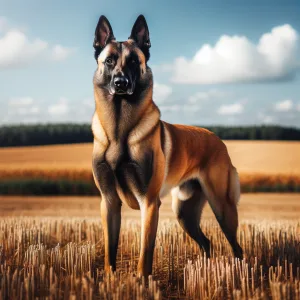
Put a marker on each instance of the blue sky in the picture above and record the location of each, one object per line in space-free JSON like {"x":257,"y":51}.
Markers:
{"x":214,"y":62}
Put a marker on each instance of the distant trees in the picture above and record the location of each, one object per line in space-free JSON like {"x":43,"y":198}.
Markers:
{"x":256,"y":132}
{"x":47,"y":187}
{"x":48,"y":134}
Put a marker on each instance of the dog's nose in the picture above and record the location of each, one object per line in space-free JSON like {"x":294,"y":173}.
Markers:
{"x":121,"y":82}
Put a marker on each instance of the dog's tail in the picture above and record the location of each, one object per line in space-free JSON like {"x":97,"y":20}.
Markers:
{"x":234,"y":189}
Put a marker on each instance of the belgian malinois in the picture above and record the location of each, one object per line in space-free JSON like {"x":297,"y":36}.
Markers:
{"x":137,"y":158}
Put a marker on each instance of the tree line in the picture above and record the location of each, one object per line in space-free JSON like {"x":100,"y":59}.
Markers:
{"x":49,"y":134}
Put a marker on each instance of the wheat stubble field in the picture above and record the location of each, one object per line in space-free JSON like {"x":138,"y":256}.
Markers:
{"x":52,"y":247}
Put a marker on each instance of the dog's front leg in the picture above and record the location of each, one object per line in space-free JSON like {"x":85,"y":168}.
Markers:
{"x":111,"y":222}
{"x":149,"y":218}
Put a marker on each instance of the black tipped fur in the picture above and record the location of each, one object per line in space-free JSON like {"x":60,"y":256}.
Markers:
{"x":140,"y":34}
{"x":103,"y":35}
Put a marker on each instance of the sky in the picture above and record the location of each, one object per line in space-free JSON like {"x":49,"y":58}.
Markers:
{"x":214,"y":62}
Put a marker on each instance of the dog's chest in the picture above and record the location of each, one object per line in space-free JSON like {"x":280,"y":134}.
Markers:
{"x":115,"y":153}
{"x":120,"y":174}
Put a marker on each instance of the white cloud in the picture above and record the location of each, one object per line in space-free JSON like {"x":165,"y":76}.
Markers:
{"x":34,"y":110}
{"x":191,"y":108}
{"x":22,"y":101}
{"x":237,"y":59}
{"x":188,"y":108}
{"x":61,"y":53}
{"x":161,"y":92}
{"x":170,"y":108}
{"x":231,"y":109}
{"x":283,"y":106}
{"x":60,"y":108}
{"x":162,"y":68}
{"x":28,"y":110}
{"x":298,"y":107}
{"x":209,"y":95}
{"x":22,"y":106}
{"x":265,"y":119}
{"x":17,"y":49}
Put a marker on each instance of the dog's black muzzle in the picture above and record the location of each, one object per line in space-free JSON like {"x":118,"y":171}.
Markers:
{"x":121,"y":84}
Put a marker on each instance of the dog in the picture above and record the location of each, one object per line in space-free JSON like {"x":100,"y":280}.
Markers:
{"x":138,"y":158}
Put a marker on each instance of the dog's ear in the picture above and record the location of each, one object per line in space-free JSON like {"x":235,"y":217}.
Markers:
{"x":140,"y":34}
{"x":103,"y":35}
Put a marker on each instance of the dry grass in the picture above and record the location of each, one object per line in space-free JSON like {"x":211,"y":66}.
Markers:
{"x":263,"y":157}
{"x":251,"y":206}
{"x":43,"y":172}
{"x":263,"y":166}
{"x":61,"y":257}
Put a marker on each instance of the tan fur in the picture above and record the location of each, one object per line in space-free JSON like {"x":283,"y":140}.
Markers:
{"x":235,"y":189}
{"x":144,"y":126}
{"x":99,"y":132}
{"x":107,"y":51}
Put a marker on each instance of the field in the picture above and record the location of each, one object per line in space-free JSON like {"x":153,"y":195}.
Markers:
{"x":266,"y":206}
{"x":264,"y":166}
{"x":52,"y":248}
{"x":271,"y":157}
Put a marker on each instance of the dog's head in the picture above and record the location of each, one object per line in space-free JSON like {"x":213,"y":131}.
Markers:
{"x":122,"y":66}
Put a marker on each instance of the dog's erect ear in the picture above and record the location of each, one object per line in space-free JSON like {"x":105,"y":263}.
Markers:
{"x":103,"y":34}
{"x":140,"y":34}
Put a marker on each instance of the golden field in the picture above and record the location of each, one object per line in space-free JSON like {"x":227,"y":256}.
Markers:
{"x":271,"y":206}
{"x":264,"y":157}
{"x":52,"y":248}
{"x":262,"y":165}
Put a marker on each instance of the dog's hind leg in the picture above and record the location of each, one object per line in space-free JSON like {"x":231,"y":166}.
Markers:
{"x":229,"y":225}
{"x":187,"y":203}
{"x":223,"y":192}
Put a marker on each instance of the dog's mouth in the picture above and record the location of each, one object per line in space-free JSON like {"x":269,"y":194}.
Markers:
{"x":119,"y":91}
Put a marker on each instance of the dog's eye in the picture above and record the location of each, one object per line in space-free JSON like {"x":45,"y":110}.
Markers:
{"x":109,"y":61}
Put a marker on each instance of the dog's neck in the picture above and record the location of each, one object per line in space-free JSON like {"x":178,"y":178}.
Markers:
{"x":121,"y":117}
